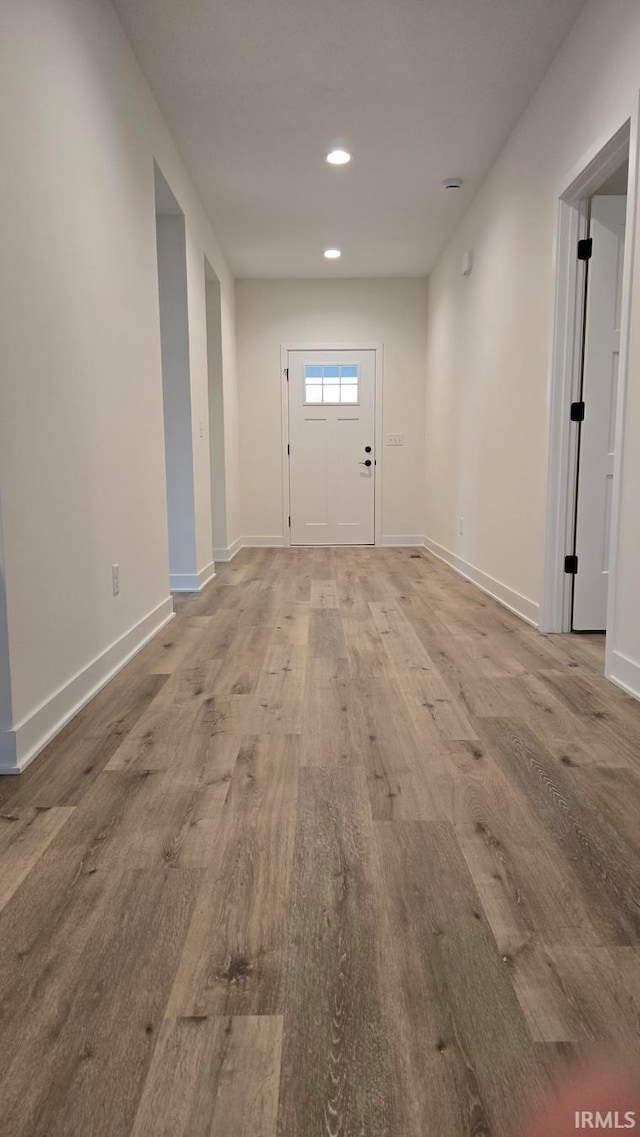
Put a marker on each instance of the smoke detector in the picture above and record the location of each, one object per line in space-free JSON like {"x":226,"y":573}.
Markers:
{"x":453,"y":183}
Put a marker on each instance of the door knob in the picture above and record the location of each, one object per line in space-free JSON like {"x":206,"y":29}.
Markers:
{"x":367,"y":449}
{"x":366,"y":463}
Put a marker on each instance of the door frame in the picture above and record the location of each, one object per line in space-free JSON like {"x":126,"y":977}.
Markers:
{"x":378,"y":349}
{"x":602,"y":159}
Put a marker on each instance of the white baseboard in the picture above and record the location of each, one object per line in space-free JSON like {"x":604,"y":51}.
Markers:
{"x":206,"y":574}
{"x":521,"y":605}
{"x":183,"y":582}
{"x":625,"y":673}
{"x":21,"y":745}
{"x":263,"y":542}
{"x":192,"y":582}
{"x":227,"y":554}
{"x":401,"y":540}
{"x":410,"y":540}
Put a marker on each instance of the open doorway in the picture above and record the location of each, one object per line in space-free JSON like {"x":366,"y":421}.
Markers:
{"x":587,"y":392}
{"x":176,"y":387}
{"x":595,"y":411}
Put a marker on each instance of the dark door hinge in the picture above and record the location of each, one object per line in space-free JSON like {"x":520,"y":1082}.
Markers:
{"x":289,"y":520}
{"x":585,"y":249}
{"x":571,"y":564}
{"x":288,"y":448}
{"x":286,"y":371}
{"x":577,"y":412}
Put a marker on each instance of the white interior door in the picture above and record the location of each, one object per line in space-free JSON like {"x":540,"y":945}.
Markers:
{"x":597,"y":432}
{"x":332,"y":447}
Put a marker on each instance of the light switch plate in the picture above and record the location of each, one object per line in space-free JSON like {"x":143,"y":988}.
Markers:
{"x":395,"y":440}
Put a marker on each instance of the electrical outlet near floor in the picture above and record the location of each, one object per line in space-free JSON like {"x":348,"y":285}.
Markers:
{"x":115,"y":579}
{"x":395,"y":440}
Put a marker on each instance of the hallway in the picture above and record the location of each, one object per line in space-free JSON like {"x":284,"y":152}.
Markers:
{"x":347,"y":849}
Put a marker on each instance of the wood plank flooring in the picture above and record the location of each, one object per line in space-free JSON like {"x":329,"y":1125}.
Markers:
{"x":348,"y":850}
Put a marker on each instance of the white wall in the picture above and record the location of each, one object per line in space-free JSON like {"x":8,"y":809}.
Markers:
{"x":216,"y":417}
{"x":5,"y":671}
{"x":199,"y":369}
{"x":231,"y":387}
{"x":488,"y":362}
{"x":274,"y":312}
{"x":81,"y":432}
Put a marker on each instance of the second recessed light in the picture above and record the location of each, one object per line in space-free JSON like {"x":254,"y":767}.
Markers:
{"x":332,"y":254}
{"x":338,"y":157}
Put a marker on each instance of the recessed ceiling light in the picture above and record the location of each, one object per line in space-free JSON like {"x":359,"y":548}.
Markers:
{"x":453,"y":183}
{"x":332,"y":254}
{"x":338,"y":157}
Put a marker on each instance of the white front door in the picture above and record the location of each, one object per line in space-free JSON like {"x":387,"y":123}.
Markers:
{"x":597,"y":431}
{"x":332,"y":447}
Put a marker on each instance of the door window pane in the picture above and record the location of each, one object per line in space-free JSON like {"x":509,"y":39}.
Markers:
{"x":332,"y":383}
{"x":349,"y":393}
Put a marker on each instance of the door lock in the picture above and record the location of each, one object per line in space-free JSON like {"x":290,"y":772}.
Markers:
{"x":367,"y":462}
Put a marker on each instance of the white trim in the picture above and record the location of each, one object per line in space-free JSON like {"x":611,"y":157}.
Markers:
{"x":192,"y":582}
{"x":621,"y":402}
{"x":579,"y":184}
{"x":401,"y":540}
{"x":206,"y":575}
{"x":34,"y":732}
{"x":517,"y":603}
{"x":183,"y":582}
{"x":264,"y":542}
{"x":393,"y":540}
{"x":378,"y":349}
{"x":227,"y":554}
{"x":379,"y":467}
{"x":625,"y":673}
{"x":602,"y":159}
{"x":284,"y":448}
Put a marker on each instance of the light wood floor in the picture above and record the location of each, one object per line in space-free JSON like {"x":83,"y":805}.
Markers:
{"x":347,"y":851}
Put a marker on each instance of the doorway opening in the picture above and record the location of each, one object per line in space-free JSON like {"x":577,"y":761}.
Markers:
{"x":588,"y":382}
{"x":331,"y":427}
{"x":596,"y":408}
{"x":176,"y":387}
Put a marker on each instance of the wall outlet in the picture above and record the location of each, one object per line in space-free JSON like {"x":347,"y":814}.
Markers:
{"x":461,"y":526}
{"x":395,"y":440}
{"x":115,"y":579}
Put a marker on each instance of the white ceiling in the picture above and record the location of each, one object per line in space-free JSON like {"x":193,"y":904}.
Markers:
{"x":256,"y":92}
